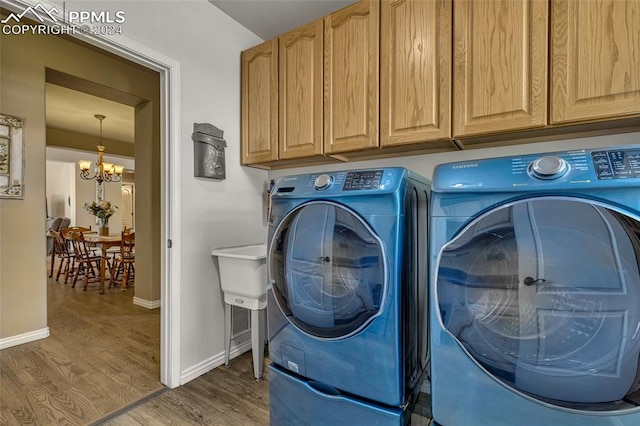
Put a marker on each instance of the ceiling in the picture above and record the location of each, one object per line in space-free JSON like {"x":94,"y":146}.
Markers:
{"x":270,"y":18}
{"x":69,"y":109}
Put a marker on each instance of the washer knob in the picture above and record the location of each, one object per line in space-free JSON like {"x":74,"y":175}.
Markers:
{"x":548,"y":167}
{"x":322,"y":182}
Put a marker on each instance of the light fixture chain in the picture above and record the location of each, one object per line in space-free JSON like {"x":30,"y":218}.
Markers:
{"x":113,"y":172}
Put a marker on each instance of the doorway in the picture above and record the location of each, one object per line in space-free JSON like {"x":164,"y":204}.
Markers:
{"x":159,"y":200}
{"x":128,"y":203}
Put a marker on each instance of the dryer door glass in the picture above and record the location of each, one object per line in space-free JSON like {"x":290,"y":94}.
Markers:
{"x":327,"y":270}
{"x":545,"y":295}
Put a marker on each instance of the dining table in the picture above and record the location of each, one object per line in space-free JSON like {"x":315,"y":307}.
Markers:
{"x":104,"y":243}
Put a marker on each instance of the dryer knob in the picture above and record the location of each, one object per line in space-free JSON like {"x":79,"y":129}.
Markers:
{"x":548,"y":167}
{"x":322,"y":182}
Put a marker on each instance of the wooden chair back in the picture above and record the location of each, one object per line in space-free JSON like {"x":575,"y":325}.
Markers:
{"x":59,"y":244}
{"x":128,"y":244}
{"x":89,"y":261}
{"x":124,"y":261}
{"x":63,"y":244}
{"x":65,"y":254}
{"x":80,"y":246}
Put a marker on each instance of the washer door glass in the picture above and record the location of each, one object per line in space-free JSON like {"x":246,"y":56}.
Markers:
{"x":327,"y":270}
{"x":545,"y":295}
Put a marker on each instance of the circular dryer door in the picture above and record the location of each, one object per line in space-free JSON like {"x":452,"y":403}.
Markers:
{"x":545,"y":295}
{"x":327,"y":270}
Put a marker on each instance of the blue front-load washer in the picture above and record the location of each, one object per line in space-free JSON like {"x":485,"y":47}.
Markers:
{"x":347,"y":309}
{"x":535,"y":289}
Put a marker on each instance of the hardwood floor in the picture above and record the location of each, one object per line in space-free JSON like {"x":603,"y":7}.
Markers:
{"x":103,"y":354}
{"x":223,"y":396}
{"x":100,"y":366}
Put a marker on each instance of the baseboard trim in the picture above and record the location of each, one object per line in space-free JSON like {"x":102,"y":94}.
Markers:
{"x":215,"y":361}
{"x":20,"y":339}
{"x":149,"y":304}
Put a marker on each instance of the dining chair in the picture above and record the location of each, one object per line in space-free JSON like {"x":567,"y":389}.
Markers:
{"x":65,"y":255}
{"x":124,"y":261}
{"x":88,"y":262}
{"x":52,"y":225}
{"x":66,"y":246}
{"x":112,"y":251}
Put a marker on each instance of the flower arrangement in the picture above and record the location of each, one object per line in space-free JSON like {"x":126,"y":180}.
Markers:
{"x":103,"y":210}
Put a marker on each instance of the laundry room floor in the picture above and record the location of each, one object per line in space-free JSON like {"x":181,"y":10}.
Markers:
{"x":222,"y":396}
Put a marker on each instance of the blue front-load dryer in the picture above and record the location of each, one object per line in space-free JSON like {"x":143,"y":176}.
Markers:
{"x":535,"y":289}
{"x":347,"y":309}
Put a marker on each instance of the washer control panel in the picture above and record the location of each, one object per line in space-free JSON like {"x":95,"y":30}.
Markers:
{"x":322,"y":182}
{"x":609,"y":167}
{"x":548,"y":167}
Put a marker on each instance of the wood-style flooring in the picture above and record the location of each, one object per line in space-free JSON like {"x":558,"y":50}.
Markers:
{"x":101,"y":367}
{"x":223,"y":396}
{"x":103,"y":354}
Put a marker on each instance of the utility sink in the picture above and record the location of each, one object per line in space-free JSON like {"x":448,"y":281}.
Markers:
{"x":243,"y":275}
{"x":243,"y":279}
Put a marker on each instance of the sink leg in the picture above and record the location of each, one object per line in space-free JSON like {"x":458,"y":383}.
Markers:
{"x":257,"y":341}
{"x":227,"y":333}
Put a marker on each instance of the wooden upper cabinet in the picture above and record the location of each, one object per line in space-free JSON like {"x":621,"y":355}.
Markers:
{"x":500,"y":65}
{"x":300,"y":91}
{"x":415,"y":71}
{"x":351,"y":74}
{"x":259,"y":105}
{"x":595,"y":59}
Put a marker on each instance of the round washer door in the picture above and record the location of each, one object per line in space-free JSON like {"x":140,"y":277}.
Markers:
{"x":327,"y":270}
{"x":545,"y":295}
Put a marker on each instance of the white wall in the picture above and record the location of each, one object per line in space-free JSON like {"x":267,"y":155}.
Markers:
{"x":60,"y":189}
{"x":425,"y":164}
{"x":207,"y":45}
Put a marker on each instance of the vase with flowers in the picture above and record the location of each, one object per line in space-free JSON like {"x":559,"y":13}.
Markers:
{"x":103,"y":210}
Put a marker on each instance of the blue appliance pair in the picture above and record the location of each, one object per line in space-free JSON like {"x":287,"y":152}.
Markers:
{"x":535,"y":289}
{"x":347,"y":307}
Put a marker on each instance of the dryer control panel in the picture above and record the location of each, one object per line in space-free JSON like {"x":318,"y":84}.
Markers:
{"x":365,"y":180}
{"x":345,"y":182}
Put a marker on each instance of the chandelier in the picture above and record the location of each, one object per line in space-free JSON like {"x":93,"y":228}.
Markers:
{"x":103,"y":172}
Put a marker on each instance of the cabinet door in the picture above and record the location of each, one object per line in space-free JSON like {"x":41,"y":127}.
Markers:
{"x":351,"y":78}
{"x":260,"y":103}
{"x":415,"y":71}
{"x":595,"y":62}
{"x":500,"y":65}
{"x":301,"y":91}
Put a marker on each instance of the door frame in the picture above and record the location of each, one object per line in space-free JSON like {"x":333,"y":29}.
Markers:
{"x":169,"y":70}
